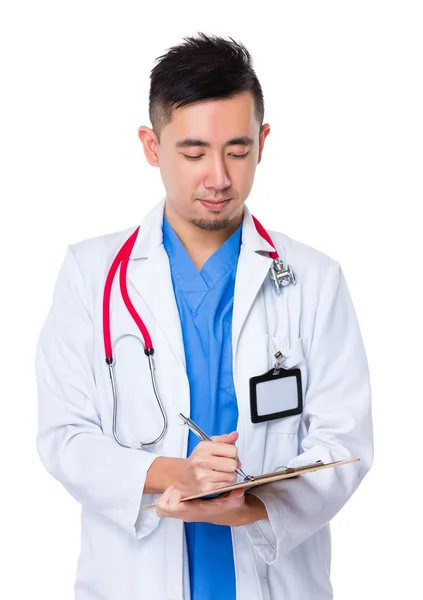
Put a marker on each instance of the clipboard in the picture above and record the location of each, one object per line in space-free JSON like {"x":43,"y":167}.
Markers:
{"x":257,"y":480}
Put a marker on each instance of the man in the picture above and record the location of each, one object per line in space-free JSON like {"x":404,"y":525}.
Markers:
{"x":197,"y":274}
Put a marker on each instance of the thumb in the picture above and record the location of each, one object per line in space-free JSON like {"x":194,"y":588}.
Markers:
{"x":236,"y":493}
{"x":227,"y":438}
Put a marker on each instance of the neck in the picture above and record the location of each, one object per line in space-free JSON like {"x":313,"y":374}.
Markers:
{"x":200,"y":243}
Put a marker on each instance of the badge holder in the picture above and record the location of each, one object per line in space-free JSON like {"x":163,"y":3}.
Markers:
{"x":277,"y":393}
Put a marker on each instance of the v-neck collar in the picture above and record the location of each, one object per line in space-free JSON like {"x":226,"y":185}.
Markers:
{"x":187,"y":277}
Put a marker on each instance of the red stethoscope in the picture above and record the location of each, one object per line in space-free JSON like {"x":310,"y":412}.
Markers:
{"x":279,"y":275}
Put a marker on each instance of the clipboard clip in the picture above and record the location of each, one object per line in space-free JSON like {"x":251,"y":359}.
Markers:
{"x":284,"y":469}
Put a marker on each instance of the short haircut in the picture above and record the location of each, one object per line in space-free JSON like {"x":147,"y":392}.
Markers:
{"x":203,"y":67}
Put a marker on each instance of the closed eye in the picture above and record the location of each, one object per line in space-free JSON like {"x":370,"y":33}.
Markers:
{"x":201,"y":155}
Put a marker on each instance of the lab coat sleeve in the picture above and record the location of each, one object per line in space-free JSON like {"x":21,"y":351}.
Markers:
{"x":100,"y":474}
{"x":338,"y":426}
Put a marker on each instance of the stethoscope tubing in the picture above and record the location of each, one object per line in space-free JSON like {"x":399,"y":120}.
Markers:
{"x":121,"y":260}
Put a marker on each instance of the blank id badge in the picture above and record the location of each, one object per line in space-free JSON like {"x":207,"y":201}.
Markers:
{"x":276,"y":394}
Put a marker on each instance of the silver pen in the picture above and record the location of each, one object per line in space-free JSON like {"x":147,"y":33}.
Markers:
{"x":205,"y":438}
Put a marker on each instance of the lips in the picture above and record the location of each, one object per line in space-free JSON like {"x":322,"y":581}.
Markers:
{"x":215,"y":205}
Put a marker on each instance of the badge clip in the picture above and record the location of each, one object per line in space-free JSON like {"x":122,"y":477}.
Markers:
{"x":278,"y":364}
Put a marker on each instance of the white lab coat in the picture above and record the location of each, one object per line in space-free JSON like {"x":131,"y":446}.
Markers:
{"x":131,"y":555}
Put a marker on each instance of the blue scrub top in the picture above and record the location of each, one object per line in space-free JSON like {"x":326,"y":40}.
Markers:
{"x":205,"y":302}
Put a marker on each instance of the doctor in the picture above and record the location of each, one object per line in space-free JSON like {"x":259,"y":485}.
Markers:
{"x":193,"y":288}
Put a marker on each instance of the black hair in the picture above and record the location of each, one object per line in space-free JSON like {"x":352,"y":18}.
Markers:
{"x":204,"y":67}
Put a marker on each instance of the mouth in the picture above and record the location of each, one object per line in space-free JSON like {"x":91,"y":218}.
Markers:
{"x":215,"y":206}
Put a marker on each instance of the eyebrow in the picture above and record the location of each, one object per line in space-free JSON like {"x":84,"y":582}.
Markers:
{"x":190,"y":142}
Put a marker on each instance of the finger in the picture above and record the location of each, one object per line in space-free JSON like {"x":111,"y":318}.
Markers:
{"x":217,"y":463}
{"x":164,"y":498}
{"x":226,"y":438}
{"x":162,"y":503}
{"x":175,"y":499}
{"x":214,"y":478}
{"x":169,"y":503}
{"x":237,"y":493}
{"x":232,"y":438}
{"x":231,"y":499}
{"x":217,"y":449}
{"x":219,"y":438}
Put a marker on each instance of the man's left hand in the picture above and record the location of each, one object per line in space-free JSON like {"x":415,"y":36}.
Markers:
{"x":232,"y":509}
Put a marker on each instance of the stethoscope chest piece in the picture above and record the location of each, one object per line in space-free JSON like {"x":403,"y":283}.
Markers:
{"x":281,"y":276}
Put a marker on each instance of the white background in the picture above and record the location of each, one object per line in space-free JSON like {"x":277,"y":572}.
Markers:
{"x":342,"y":171}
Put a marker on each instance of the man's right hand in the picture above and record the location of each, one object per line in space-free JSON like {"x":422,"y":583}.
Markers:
{"x":210,"y":465}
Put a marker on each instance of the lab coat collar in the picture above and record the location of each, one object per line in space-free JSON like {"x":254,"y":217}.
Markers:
{"x":152,"y":280}
{"x":150,"y":234}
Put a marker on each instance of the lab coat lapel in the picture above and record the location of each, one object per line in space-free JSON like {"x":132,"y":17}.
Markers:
{"x":250,"y":324}
{"x":252,"y":270}
{"x":150,"y":277}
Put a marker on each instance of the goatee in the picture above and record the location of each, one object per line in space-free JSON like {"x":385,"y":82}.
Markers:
{"x":210,"y":224}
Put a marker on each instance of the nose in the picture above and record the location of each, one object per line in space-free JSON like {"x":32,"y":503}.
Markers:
{"x":217,"y":177}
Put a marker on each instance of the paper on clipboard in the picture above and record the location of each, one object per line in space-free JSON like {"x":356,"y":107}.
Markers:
{"x":257,"y":480}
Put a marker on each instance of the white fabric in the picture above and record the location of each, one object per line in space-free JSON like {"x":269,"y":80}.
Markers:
{"x":130,"y":555}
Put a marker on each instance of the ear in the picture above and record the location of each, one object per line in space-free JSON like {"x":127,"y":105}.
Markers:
{"x":265,"y":130}
{"x":149,"y":141}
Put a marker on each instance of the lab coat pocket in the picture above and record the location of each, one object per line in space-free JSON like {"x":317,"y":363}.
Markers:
{"x":294,"y":358}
